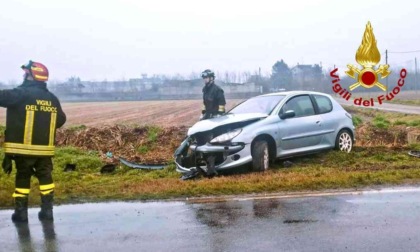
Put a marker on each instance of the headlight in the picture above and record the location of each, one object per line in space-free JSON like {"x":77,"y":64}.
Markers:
{"x":226,"y":137}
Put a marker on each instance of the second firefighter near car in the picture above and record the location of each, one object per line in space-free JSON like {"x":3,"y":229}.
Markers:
{"x":213,"y":106}
{"x":213,"y":97}
{"x":266,"y":127}
{"x":32,"y":117}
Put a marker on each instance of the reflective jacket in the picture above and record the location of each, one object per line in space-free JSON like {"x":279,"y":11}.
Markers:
{"x":32,"y":117}
{"x":214,"y":101}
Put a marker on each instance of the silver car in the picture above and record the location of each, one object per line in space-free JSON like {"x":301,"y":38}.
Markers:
{"x":264,"y":128}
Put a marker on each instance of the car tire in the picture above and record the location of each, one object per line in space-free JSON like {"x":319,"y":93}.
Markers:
{"x":344,"y":141}
{"x":260,"y":156}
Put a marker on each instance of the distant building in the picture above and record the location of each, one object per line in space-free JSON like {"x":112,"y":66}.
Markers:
{"x":306,"y":75}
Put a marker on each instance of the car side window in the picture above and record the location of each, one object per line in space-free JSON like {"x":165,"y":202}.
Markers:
{"x":301,"y":105}
{"x":324,"y":104}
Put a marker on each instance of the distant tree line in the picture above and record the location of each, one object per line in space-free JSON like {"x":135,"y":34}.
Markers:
{"x":281,"y":77}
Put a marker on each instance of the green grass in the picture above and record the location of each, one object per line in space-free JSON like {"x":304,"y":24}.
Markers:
{"x":413,"y":123}
{"x":143,"y":149}
{"x":405,"y":102}
{"x":357,"y":120}
{"x":153,"y":133}
{"x":330,"y":170}
{"x":382,"y":119}
{"x":380,"y":122}
{"x":77,"y":127}
{"x":414,"y":146}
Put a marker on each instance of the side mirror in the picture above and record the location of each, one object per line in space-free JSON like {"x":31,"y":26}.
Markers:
{"x":288,"y":114}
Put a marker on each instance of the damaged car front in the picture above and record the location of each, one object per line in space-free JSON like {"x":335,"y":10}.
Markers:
{"x":224,"y":142}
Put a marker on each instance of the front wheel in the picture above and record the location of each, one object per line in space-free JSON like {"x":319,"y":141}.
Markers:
{"x":344,"y":141}
{"x":260,"y":156}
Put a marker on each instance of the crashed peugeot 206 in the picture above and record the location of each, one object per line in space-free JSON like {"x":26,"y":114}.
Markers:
{"x":264,"y":128}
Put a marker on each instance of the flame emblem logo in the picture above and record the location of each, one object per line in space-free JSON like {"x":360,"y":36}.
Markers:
{"x":368,"y":57}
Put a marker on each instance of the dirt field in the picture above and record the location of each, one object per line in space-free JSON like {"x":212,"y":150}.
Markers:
{"x":162,"y":113}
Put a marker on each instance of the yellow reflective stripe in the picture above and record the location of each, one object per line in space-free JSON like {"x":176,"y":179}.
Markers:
{"x":23,"y":190}
{"x":46,"y":187}
{"x":52,"y":128}
{"x":28,"y":146}
{"x":29,"y":152}
{"x":27,"y":149}
{"x":17,"y":195}
{"x":29,"y":126}
{"x":41,"y":77}
{"x":221,"y":108}
{"x":47,"y":192}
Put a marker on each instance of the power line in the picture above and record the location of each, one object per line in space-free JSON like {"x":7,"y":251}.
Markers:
{"x":415,"y":51}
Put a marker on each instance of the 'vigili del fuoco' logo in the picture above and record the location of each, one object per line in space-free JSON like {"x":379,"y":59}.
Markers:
{"x":369,"y":75}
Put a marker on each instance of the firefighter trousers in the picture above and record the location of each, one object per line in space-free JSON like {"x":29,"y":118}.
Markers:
{"x":41,"y":167}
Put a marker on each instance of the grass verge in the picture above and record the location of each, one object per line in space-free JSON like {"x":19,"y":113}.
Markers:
{"x":382,"y":118}
{"x":405,"y":102}
{"x":330,"y":170}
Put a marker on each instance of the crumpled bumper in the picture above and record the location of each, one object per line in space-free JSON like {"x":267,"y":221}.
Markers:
{"x":234,"y":155}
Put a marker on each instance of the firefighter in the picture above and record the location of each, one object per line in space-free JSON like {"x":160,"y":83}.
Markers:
{"x":213,"y":97}
{"x":32,"y":117}
{"x":214,"y":105}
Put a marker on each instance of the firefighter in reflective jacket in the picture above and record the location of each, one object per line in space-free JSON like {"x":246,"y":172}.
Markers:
{"x":32,"y":117}
{"x":213,"y":97}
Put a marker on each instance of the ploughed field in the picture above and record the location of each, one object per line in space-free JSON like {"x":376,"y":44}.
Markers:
{"x":161,"y":113}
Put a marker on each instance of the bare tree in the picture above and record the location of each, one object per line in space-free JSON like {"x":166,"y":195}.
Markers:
{"x":194,"y":76}
{"x":226,"y":77}
{"x":246,"y":75}
{"x":177,"y":76}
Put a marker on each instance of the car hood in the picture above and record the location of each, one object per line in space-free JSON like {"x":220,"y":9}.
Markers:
{"x":206,"y":125}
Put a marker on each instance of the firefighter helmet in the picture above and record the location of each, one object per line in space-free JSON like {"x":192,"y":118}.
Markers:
{"x":207,"y":73}
{"x":36,"y":70}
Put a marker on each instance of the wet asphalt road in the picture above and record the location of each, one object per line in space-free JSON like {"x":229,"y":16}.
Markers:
{"x":373,"y":221}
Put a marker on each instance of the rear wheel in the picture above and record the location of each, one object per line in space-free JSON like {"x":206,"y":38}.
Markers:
{"x":344,"y":141}
{"x":260,"y":156}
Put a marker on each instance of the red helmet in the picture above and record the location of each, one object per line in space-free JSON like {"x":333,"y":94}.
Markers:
{"x":37,"y":70}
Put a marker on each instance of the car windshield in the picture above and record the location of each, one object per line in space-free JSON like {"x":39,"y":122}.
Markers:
{"x":260,"y":104}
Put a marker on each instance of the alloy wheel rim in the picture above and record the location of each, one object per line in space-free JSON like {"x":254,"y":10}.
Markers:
{"x":345,"y":142}
{"x":266,"y":159}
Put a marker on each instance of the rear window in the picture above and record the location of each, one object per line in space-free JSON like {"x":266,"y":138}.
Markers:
{"x":324,"y":104}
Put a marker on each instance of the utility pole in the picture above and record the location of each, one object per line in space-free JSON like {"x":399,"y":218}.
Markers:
{"x":386,"y":62}
{"x":259,"y":81}
{"x":415,"y":75}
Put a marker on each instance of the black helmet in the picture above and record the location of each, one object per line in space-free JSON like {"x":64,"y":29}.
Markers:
{"x":207,"y":73}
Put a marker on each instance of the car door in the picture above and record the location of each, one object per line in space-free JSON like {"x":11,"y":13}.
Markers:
{"x":302,"y":132}
{"x":329,"y":119}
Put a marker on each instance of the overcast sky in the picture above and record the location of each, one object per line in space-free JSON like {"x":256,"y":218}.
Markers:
{"x":115,"y":39}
